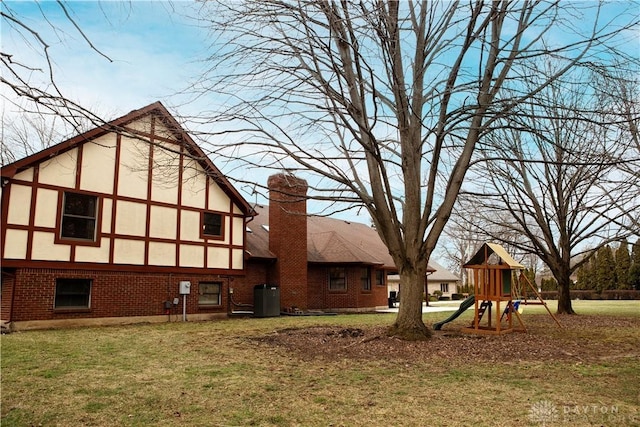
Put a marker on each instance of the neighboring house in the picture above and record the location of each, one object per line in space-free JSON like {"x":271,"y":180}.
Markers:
{"x":132,"y":222}
{"x":438,"y":279}
{"x":545,"y":273}
{"x":442,"y":280}
{"x":109,"y":223}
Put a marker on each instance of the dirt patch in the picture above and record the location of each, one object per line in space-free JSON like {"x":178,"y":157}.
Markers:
{"x":583,"y":338}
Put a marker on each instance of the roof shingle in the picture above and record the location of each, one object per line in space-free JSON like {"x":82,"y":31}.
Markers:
{"x":329,"y":240}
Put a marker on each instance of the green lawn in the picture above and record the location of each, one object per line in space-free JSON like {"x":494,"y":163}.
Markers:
{"x":215,"y":374}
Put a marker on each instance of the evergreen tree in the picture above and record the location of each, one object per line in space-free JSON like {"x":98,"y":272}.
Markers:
{"x":593,"y":271}
{"x":605,"y":269}
{"x":549,"y":284}
{"x":634,"y":270}
{"x":524,"y":288}
{"x":623,"y":263}
{"x":584,"y":276}
{"x":585,"y":279}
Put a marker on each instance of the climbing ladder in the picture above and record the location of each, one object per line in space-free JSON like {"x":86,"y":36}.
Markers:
{"x":482,"y":309}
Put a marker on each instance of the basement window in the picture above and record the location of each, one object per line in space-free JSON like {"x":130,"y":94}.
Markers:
{"x":72,"y":294}
{"x":79,"y":214}
{"x":209,"y":294}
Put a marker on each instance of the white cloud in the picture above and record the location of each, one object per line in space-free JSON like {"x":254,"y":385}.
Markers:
{"x":153,"y":49}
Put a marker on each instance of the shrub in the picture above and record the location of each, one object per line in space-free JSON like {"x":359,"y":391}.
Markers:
{"x":457,"y":297}
{"x":612,"y":294}
{"x":585,"y":295}
{"x":548,"y":295}
{"x":624,"y":294}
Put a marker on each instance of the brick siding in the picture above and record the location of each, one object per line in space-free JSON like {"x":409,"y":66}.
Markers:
{"x":288,"y":238}
{"x":113,"y":294}
{"x":320,"y":297}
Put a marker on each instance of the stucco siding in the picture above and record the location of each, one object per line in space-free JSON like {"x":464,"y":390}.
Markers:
{"x":133,"y":173}
{"x":191,"y":256}
{"x":217,"y":258}
{"x":98,"y":254}
{"x":193,"y":185}
{"x":130,"y":218}
{"x":128,"y":252}
{"x":25,"y":175}
{"x":60,"y":170}
{"x":15,"y":244}
{"x":46,"y":208}
{"x":19,"y":205}
{"x":162,"y":254}
{"x":165,"y":172}
{"x":238,"y":231}
{"x":163,"y":222}
{"x":107,"y":208}
{"x":190,"y":226}
{"x":98,"y":165}
{"x":237,"y":259}
{"x":44,"y":248}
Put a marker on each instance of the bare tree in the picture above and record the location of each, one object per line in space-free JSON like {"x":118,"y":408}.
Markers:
{"x":381,"y":104}
{"x":35,"y":112}
{"x":550,"y":178}
{"x":461,"y":243}
{"x":28,"y":75}
{"x":619,"y":98}
{"x":27,"y":134}
{"x":465,"y":233}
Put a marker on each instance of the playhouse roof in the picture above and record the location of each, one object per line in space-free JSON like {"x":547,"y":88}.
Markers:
{"x":482,"y":257}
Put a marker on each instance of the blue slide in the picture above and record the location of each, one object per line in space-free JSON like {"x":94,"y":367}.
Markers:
{"x":464,"y":305}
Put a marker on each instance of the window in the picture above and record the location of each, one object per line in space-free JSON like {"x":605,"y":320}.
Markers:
{"x":72,"y":293}
{"x":337,"y":279}
{"x":209,"y":294}
{"x":444,"y":288}
{"x":380,"y":278}
{"x":365,"y":279}
{"x":212,"y":224}
{"x":79,"y":216}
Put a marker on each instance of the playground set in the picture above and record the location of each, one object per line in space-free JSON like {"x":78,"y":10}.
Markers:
{"x":500,"y":289}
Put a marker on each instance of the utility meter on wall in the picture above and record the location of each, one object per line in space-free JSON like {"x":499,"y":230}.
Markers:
{"x":185,"y":288}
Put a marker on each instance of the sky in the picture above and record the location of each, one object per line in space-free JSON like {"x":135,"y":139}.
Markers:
{"x":152,"y":50}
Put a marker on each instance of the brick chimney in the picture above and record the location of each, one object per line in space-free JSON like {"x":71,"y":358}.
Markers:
{"x":288,"y":238}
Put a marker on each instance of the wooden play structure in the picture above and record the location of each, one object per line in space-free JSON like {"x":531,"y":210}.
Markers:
{"x":500,"y":288}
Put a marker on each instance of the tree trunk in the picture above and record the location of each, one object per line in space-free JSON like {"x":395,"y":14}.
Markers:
{"x":409,"y":324}
{"x":564,"y":297}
